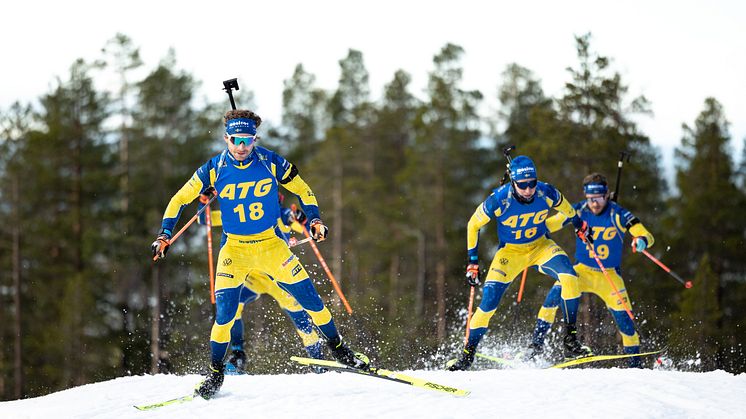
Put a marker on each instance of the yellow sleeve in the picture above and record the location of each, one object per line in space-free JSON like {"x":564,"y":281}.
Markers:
{"x":477,"y":221}
{"x":638,"y":230}
{"x":565,"y":208}
{"x":555,"y":222}
{"x":299,"y":187}
{"x":183,"y":197}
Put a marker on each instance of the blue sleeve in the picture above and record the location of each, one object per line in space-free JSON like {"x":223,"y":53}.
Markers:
{"x":490,"y":205}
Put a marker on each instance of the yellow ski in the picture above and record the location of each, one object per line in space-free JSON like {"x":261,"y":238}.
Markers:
{"x":384,"y":374}
{"x":594,"y":358}
{"x":166,"y":403}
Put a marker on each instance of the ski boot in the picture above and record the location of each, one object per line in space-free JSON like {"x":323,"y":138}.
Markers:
{"x":535,"y":351}
{"x":344,"y":355}
{"x":635,"y":361}
{"x":464,"y":361}
{"x":212,"y":383}
{"x":573,"y":348}
{"x":236,"y":362}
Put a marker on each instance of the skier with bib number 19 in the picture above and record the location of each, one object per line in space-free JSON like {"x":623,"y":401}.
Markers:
{"x":608,"y":222}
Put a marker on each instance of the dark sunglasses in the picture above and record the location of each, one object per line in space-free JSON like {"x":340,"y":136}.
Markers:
{"x":243,"y":140}
{"x":525,"y":184}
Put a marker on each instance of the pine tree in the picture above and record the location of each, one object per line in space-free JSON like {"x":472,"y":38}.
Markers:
{"x":68,"y":189}
{"x":705,"y":175}
{"x":445,"y":170}
{"x":14,"y":129}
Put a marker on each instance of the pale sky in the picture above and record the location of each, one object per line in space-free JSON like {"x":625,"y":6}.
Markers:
{"x":676,"y":53}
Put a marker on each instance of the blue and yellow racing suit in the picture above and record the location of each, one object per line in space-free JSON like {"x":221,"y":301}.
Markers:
{"x":248,"y":197}
{"x":524,"y":242}
{"x":608,"y":229}
{"x":258,"y":284}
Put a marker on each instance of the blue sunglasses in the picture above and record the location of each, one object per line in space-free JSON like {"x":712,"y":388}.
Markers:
{"x":526,"y":184}
{"x":247,"y":141}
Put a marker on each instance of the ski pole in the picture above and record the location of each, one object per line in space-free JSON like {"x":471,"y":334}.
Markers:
{"x":622,"y":156}
{"x":328,"y":271}
{"x":468,"y":315}
{"x":523,"y":282}
{"x":190,"y":222}
{"x":687,"y":284}
{"x":616,"y":291}
{"x":208,"y":227}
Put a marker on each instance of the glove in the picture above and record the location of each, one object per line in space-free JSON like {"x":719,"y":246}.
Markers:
{"x":161,"y":244}
{"x":583,"y":233}
{"x":299,"y":216}
{"x":472,"y":274}
{"x":205,"y":196}
{"x":639,"y":244}
{"x":318,"y":230}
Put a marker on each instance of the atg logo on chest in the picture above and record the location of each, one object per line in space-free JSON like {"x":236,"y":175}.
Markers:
{"x":260,"y":188}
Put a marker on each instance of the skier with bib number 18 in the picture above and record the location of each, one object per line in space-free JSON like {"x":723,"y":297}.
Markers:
{"x":246,"y":178}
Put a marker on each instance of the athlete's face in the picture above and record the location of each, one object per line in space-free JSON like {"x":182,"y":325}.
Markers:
{"x":525,"y":188}
{"x":596,"y":202}
{"x":240,"y":145}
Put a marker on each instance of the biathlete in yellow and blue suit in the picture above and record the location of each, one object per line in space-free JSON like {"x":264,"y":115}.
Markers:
{"x":257,"y":285}
{"x":608,"y":222}
{"x":246,"y":178}
{"x":520,"y":209}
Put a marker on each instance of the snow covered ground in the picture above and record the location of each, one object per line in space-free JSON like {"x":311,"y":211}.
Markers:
{"x":582,"y":393}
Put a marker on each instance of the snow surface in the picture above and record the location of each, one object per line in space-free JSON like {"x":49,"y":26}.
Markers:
{"x":582,"y":393}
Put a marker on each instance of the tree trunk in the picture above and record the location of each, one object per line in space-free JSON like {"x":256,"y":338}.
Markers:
{"x":338,"y":228}
{"x":155,"y":322}
{"x":419,"y":300}
{"x":393,"y":285}
{"x":77,"y":317}
{"x":440,"y":255}
{"x":17,"y":353}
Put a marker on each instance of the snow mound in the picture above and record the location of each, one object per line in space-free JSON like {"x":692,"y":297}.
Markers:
{"x":607,"y":393}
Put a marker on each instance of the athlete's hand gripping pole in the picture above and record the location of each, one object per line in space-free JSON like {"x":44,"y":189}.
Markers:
{"x":171,"y":241}
{"x":328,"y":271}
{"x":208,"y":227}
{"x":686,"y":284}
